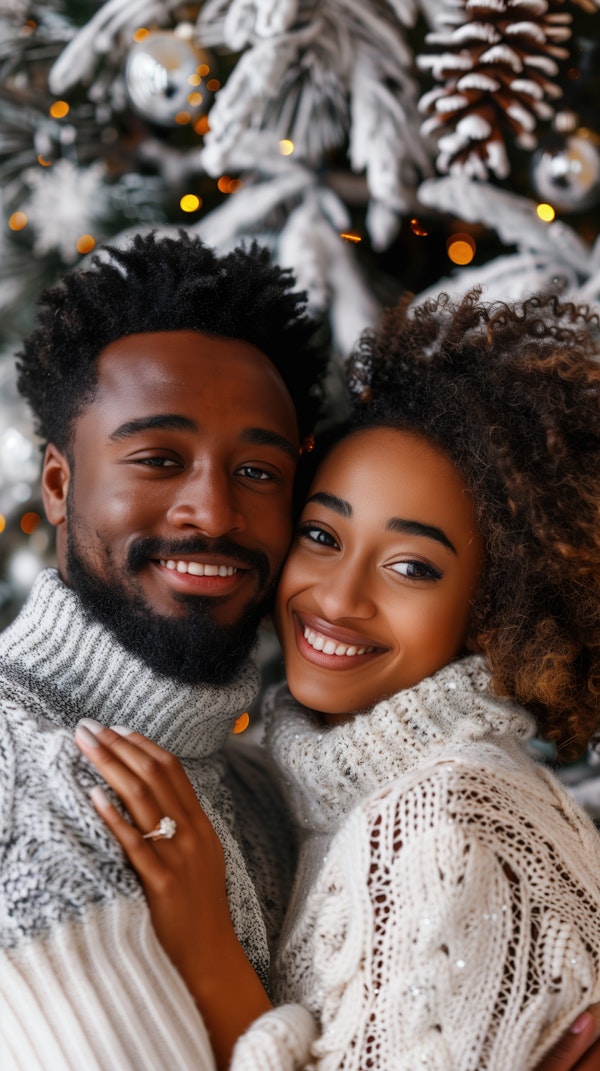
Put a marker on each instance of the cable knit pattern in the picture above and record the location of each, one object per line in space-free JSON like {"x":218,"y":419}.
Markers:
{"x":447,"y":908}
{"x":62,"y":876}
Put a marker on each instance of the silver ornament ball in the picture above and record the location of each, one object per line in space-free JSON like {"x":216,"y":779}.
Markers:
{"x":566,"y":172}
{"x":161,"y":77}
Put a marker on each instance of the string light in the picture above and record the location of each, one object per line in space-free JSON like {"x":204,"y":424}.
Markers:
{"x":59,"y":109}
{"x":190,"y":202}
{"x":17,"y":221}
{"x":286,"y":147}
{"x":29,"y":522}
{"x":241,"y":723}
{"x":545,"y":212}
{"x":350,"y":236}
{"x":85,"y":243}
{"x":417,"y":228}
{"x":141,"y":34}
{"x":461,"y":249}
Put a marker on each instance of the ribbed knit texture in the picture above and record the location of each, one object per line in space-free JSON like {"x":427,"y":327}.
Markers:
{"x":65,"y":887}
{"x":446,"y":913}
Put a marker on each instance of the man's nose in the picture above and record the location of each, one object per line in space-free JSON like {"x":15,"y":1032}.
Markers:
{"x":207,"y":501}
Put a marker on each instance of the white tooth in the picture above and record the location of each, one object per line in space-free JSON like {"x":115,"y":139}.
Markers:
{"x":170,"y":564}
{"x":211,"y":570}
{"x":361,"y":650}
{"x":340,"y":649}
{"x":225,"y":570}
{"x":318,"y":643}
{"x":329,"y":647}
{"x":195,"y":568}
{"x":309,"y":635}
{"x":352,"y":650}
{"x":182,"y":567}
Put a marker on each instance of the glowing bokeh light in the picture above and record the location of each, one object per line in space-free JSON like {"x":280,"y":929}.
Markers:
{"x":545,"y":212}
{"x":190,"y":202}
{"x":286,"y":147}
{"x":85,"y":243}
{"x":17,"y":221}
{"x":59,"y":109}
{"x":460,"y":248}
{"x":417,"y":228}
{"x":350,"y":236}
{"x":29,"y":522}
{"x":141,"y":34}
{"x":241,"y":723}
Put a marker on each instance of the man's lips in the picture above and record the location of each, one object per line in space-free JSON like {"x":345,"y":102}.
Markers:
{"x":202,"y":576}
{"x":202,"y":568}
{"x":325,"y":644}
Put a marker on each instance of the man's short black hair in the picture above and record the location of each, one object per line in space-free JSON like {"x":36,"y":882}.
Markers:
{"x":166,"y":284}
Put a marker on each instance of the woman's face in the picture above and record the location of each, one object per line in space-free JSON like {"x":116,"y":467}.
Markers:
{"x":376,"y":591}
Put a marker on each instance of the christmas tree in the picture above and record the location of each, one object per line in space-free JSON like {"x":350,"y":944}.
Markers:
{"x":376,"y":147}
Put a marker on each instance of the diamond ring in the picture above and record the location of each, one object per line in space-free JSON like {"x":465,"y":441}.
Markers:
{"x":165,"y":829}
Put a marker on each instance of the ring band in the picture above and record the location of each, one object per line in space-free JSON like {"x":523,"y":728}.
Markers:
{"x":165,"y":829}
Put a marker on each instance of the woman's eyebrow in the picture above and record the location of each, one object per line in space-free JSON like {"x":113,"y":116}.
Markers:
{"x":339,"y":505}
{"x":398,"y":524}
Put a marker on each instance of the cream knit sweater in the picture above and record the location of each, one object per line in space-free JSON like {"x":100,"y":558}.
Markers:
{"x":84,"y":983}
{"x":447,"y":908}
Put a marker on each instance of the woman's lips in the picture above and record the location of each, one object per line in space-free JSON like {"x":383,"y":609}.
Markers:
{"x":334,"y":648}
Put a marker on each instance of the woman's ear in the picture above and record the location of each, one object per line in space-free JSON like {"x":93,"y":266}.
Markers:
{"x":56,"y":475}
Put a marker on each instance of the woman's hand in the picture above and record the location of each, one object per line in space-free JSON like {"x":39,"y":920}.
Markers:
{"x":579,"y":1048}
{"x":183,"y":876}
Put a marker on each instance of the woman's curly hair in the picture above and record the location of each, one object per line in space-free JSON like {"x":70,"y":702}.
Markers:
{"x":167,"y":284}
{"x":511,"y":393}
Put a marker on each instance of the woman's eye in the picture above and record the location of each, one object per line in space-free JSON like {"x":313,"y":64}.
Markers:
{"x":317,"y":535}
{"x":415,"y":570}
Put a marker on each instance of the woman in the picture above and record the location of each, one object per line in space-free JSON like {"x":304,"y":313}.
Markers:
{"x":442,"y":599}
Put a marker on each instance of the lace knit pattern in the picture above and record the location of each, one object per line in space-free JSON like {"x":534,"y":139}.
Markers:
{"x":454,"y":920}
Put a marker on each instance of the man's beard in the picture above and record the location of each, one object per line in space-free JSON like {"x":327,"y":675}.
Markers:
{"x":191,"y":648}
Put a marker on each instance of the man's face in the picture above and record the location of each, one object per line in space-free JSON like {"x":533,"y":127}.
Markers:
{"x":174,"y":514}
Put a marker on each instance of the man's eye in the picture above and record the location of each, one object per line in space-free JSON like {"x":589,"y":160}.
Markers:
{"x":156,"y":462}
{"x":415,"y":570}
{"x":252,"y":472}
{"x":313,"y":534}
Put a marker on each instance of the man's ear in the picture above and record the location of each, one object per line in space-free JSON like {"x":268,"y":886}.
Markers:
{"x":56,"y":475}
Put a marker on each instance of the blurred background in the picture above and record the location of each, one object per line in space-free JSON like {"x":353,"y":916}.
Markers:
{"x":376,"y":147}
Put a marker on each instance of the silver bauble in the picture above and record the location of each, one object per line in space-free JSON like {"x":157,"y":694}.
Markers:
{"x":566,"y":172}
{"x":161,"y":76}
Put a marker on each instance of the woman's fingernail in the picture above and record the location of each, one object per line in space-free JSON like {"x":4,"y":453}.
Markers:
{"x":87,"y":731}
{"x":122,"y":730}
{"x":93,"y":726}
{"x":99,"y":797}
{"x":581,"y":1023}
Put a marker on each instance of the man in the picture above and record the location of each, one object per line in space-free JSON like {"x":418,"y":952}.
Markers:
{"x":172,"y":389}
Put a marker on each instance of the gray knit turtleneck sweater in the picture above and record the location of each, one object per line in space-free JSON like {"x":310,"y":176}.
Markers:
{"x":83,"y":981}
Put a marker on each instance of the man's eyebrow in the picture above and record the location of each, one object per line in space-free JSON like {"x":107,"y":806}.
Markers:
{"x":398,"y":524}
{"x":339,"y":505}
{"x":265,"y":437}
{"x":166,"y":421}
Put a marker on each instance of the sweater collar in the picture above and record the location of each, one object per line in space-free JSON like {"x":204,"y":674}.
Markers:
{"x":327,"y":771}
{"x":77,"y":669}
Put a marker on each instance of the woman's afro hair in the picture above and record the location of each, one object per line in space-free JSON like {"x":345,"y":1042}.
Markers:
{"x":167,"y":284}
{"x":511,"y":393}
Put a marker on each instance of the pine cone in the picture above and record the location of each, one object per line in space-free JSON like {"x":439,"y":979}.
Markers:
{"x":496,"y":60}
